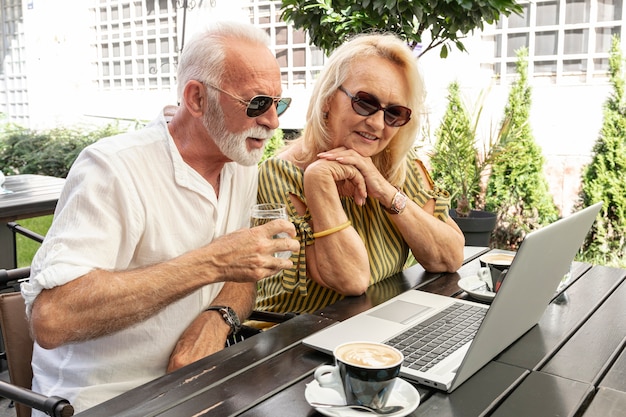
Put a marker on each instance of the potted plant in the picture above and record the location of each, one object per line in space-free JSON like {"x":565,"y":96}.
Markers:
{"x":460,"y":163}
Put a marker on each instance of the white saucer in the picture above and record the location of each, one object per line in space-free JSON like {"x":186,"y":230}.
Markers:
{"x":471,"y":285}
{"x":403,"y":394}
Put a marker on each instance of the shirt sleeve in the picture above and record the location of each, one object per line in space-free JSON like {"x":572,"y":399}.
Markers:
{"x":88,"y":231}
{"x":421,"y":192}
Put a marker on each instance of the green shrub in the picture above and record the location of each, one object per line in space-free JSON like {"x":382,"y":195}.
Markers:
{"x":517,"y":188}
{"x":605,"y":177}
{"x":275,"y":143}
{"x":50,"y":152}
{"x":455,"y":142}
{"x":460,"y":159}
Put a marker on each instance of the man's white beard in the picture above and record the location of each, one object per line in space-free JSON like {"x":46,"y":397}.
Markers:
{"x":234,"y":145}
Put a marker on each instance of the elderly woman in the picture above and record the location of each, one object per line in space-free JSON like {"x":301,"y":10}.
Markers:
{"x":353,"y":185}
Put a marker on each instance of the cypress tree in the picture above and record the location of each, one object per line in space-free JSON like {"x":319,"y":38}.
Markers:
{"x":605,"y":177}
{"x":453,"y":160}
{"x":517,"y":188}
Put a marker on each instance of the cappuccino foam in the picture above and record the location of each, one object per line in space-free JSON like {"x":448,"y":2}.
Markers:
{"x":497,"y":258}
{"x":368,"y":355}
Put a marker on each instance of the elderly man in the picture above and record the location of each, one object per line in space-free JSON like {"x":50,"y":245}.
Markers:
{"x":149,"y":265}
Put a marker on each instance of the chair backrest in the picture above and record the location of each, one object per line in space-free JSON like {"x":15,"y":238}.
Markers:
{"x":18,"y":343}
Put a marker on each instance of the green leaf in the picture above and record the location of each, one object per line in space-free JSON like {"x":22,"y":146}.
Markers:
{"x":331,"y":22}
{"x":444,"y":51}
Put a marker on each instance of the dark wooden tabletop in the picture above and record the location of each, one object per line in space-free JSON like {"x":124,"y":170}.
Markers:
{"x":571,"y":364}
{"x":29,"y":196}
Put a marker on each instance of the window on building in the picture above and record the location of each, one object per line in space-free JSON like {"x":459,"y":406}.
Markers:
{"x":135,"y":43}
{"x":13,"y":81}
{"x":300,"y":62}
{"x":568,"y":41}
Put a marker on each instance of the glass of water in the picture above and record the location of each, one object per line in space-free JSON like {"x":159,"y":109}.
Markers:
{"x":263,"y":213}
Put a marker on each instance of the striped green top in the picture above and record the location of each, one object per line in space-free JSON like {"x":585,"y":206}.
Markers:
{"x":290,"y":290}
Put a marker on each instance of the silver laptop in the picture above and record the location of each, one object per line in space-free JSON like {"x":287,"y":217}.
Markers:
{"x":539,"y":265}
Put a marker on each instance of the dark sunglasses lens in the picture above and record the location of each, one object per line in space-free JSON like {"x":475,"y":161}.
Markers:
{"x":396,"y":116}
{"x":365,"y":104}
{"x":282,"y":105}
{"x":259,"y":105}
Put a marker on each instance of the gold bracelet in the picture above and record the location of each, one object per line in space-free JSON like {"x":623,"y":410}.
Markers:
{"x":332,"y":230}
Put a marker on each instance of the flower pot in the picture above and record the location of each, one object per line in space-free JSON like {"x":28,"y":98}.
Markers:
{"x":477,"y":227}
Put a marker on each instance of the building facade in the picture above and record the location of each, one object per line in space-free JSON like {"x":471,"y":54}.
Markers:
{"x":69,"y":62}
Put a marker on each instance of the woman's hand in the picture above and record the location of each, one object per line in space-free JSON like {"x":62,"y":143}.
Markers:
{"x":348,"y":179}
{"x":376,"y":186}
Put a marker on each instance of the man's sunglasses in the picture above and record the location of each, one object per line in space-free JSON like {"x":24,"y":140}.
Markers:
{"x":366,"y":104}
{"x":259,"y":104}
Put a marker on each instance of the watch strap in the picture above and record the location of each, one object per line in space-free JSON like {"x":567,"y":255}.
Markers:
{"x":229,"y":316}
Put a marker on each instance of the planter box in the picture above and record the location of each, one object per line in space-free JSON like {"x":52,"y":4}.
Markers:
{"x":477,"y":227}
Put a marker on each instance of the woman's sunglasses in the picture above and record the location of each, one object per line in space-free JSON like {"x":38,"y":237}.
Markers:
{"x":259,"y":104}
{"x":366,"y":104}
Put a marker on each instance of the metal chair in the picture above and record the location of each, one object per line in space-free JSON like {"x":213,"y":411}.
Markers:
{"x":19,"y":351}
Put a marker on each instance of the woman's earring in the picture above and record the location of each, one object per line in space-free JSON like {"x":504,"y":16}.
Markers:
{"x":325,"y":115}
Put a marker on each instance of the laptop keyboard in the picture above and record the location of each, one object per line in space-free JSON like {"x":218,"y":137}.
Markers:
{"x":431,"y":341}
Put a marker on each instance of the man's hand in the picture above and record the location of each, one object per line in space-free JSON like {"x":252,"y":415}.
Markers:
{"x":247,"y":255}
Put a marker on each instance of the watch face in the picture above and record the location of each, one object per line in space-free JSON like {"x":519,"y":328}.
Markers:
{"x":399,"y":202}
{"x":231,"y":318}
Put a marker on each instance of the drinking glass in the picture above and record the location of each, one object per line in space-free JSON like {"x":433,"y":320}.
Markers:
{"x":263,"y":213}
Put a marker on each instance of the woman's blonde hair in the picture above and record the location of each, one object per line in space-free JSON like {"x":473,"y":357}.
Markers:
{"x":315,"y":137}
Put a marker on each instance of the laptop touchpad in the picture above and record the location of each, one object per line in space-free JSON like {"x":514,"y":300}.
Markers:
{"x":400,"y":311}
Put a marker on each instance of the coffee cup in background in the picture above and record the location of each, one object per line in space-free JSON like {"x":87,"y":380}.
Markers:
{"x":498,"y":265}
{"x":364,"y":372}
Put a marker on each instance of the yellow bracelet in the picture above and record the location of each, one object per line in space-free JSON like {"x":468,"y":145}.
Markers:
{"x":332,"y":230}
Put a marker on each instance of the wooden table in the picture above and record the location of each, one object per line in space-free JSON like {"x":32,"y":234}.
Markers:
{"x":29,"y":196}
{"x":573,"y":363}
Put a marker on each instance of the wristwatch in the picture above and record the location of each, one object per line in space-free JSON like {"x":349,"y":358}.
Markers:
{"x":398,"y":204}
{"x":229,"y":316}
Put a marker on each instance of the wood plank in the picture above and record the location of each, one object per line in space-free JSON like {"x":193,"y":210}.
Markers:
{"x":291,"y":402}
{"x":561,"y":320}
{"x":616,"y":375}
{"x":214,"y":371}
{"x":477,"y":396}
{"x":596,"y":345}
{"x":483,"y":393}
{"x":288,"y":403}
{"x":245,"y":390}
{"x":607,"y":403}
{"x":541,"y":394}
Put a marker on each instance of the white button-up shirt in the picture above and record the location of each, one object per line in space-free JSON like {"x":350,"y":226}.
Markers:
{"x":130,"y":201}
